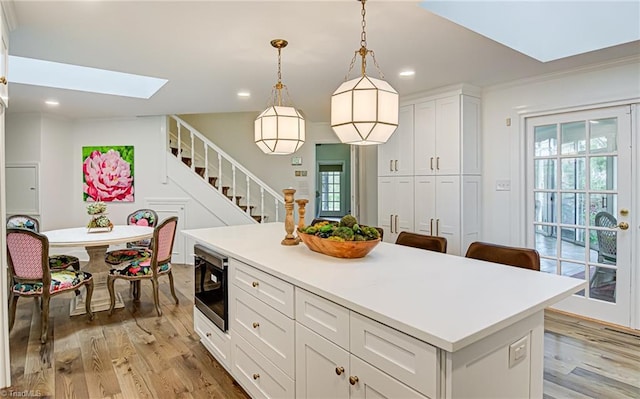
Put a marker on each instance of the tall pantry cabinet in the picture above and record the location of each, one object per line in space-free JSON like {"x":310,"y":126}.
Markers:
{"x":446,"y":174}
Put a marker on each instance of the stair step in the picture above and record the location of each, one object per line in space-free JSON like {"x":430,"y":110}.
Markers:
{"x":225,"y":189}
{"x":257,"y":218}
{"x":174,"y":151}
{"x":213,"y":181}
{"x":186,"y":161}
{"x":244,"y":208}
{"x":200,"y":170}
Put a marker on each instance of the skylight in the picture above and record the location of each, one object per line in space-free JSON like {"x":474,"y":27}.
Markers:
{"x":35,"y":72}
{"x":546,"y":30}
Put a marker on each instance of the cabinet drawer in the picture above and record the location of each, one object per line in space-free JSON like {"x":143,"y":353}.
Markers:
{"x":373,"y":382}
{"x":216,"y":342}
{"x":408,"y":359}
{"x":258,"y":375}
{"x":323,"y":316}
{"x":268,"y":330}
{"x":267,"y":288}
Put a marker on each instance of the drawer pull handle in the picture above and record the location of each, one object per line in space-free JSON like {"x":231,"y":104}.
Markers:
{"x":339,"y":370}
{"x":256,"y":376}
{"x":208,"y":334}
{"x":353,"y":380}
{"x":256,"y":324}
{"x":255,"y":284}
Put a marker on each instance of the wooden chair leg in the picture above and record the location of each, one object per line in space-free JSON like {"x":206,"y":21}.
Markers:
{"x":89,"y":286}
{"x":173,"y":291}
{"x":136,"y":290}
{"x":112,"y":294}
{"x":13,"y":302}
{"x":156,"y":296}
{"x":45,"y":318}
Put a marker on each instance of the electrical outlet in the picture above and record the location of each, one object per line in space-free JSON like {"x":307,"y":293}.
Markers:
{"x":503,"y":185}
{"x":518,"y":351}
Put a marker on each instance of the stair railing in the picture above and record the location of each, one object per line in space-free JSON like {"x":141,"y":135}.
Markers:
{"x":250,"y":178}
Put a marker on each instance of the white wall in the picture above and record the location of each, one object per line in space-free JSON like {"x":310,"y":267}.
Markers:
{"x":503,"y":146}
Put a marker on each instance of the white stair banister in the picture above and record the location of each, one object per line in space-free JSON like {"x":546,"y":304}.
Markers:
{"x":219,"y":172}
{"x":248,"y":195}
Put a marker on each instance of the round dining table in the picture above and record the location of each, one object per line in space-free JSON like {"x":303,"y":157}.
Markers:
{"x":96,"y":244}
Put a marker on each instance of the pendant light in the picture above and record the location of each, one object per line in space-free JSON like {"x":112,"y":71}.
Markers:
{"x":279,"y":129}
{"x":364,"y":110}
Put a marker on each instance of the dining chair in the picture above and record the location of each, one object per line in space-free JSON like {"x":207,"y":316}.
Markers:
{"x":430,"y":243}
{"x":31,"y":276}
{"x":149,"y":264}
{"x":142,"y":217}
{"x":56,"y":262}
{"x":526,"y":258}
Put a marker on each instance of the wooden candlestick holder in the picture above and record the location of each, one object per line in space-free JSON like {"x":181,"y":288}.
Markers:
{"x":302,"y":203}
{"x":289,"y":226}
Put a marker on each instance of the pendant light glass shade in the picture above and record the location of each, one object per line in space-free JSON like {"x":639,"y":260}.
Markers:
{"x":279,"y":129}
{"x":364,"y":110}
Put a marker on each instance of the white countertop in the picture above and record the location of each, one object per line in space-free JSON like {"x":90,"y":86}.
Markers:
{"x":448,"y":301}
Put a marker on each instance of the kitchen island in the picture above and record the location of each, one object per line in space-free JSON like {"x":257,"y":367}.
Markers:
{"x":401,"y":322}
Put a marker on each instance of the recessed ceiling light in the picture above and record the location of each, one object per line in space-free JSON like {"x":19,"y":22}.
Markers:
{"x":35,"y":72}
{"x":407,"y":73}
{"x":52,"y":103}
{"x":244,"y":94}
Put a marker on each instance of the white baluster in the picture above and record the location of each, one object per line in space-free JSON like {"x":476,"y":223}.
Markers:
{"x":179,"y":141}
{"x":248,"y":196}
{"x":219,"y":172}
{"x":233,"y":182}
{"x":193,"y":151}
{"x":206,"y":163}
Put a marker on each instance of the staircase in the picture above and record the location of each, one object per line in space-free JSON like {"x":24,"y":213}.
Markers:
{"x":223,"y":174}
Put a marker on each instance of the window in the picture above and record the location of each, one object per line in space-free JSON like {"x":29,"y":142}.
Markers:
{"x":331,"y":190}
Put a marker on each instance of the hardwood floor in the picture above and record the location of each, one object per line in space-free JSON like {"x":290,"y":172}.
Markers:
{"x":135,"y":354}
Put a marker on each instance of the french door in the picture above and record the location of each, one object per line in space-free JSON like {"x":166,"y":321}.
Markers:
{"x":579,"y":206}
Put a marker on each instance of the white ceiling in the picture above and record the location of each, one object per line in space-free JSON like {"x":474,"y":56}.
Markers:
{"x":211,"y":50}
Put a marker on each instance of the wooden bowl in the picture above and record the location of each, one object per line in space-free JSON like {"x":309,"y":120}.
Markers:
{"x":338,"y":249}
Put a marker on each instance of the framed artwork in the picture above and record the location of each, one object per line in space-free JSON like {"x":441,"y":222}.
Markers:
{"x":107,"y":173}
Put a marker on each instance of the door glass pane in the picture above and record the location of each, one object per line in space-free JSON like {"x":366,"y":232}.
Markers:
{"x":602,"y":283}
{"x":546,"y":140}
{"x":574,"y":138}
{"x":545,"y":174}
{"x":548,"y":265}
{"x":603,"y":173}
{"x":607,"y":246}
{"x":546,"y":241}
{"x":545,"y":207}
{"x":602,"y":202}
{"x":573,"y":208}
{"x":330,"y":191}
{"x":572,"y":244}
{"x":571,"y":269}
{"x":603,"y":135}
{"x":573,"y":173}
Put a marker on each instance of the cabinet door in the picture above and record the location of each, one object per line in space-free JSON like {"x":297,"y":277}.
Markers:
{"x":386,"y":199}
{"x":403,"y":219}
{"x":373,"y":383}
{"x":448,"y":135}
{"x":425,"y":204}
{"x":322,"y":368}
{"x":448,"y":211}
{"x":395,"y":157}
{"x":424,"y":138}
{"x":403,"y":165}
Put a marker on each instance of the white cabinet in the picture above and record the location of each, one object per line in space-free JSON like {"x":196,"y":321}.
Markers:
{"x":4,"y":60}
{"x":216,"y":341}
{"x":395,"y":157}
{"x":394,"y":366}
{"x":395,"y":205}
{"x":449,"y":207}
{"x":447,"y":136}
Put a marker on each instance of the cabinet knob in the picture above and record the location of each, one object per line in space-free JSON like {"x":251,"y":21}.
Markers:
{"x":256,"y":376}
{"x":255,"y":284}
{"x":339,"y":370}
{"x":3,"y":80}
{"x":353,"y":380}
{"x":256,"y":324}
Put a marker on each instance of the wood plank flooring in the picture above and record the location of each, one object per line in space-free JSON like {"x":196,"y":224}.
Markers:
{"x":135,"y":354}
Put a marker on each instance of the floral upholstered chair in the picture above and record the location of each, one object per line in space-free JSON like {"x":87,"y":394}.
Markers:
{"x":142,"y":217}
{"x":56,"y":262}
{"x":147,"y":264}
{"x":28,"y":256}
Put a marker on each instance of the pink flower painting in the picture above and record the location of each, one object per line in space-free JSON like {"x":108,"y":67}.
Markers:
{"x":108,"y":174}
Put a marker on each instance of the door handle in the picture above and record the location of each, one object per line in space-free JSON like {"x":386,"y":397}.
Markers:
{"x":396,"y":223}
{"x":396,"y":165}
{"x":431,"y":227}
{"x":438,"y":163}
{"x":431,"y":163}
{"x":438,"y":227}
{"x":623,"y":225}
{"x":391,"y":165}
{"x":391,"y":223}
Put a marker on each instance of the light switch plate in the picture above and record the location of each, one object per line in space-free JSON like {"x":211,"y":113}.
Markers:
{"x":503,"y":185}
